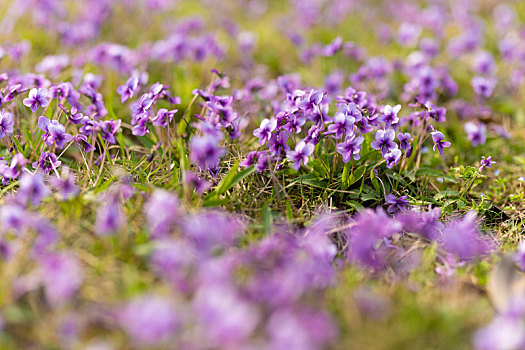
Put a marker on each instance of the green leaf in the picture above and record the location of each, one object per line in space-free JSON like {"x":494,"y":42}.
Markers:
{"x":374,"y":181}
{"x":430,"y":172}
{"x":232,"y":178}
{"x":356,"y":205}
{"x":267,"y":219}
{"x":356,"y":175}
{"x":319,"y":168}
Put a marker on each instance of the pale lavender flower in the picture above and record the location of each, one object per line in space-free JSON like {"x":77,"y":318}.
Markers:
{"x":301,"y":154}
{"x":62,"y":276}
{"x":127,"y":90}
{"x":54,"y":132}
{"x":162,"y":212}
{"x":463,"y":238}
{"x":342,"y":125}
{"x":150,"y":320}
{"x":476,"y":132}
{"x":392,"y":157}
{"x":483,"y":86}
{"x":6,"y":124}
{"x":384,"y":141}
{"x":502,"y":333}
{"x":228,"y":320}
{"x":350,"y":148}
{"x":37,"y":98}
{"x":110,"y":218}
{"x":32,"y":189}
{"x":389,"y":115}
{"x":264,"y":132}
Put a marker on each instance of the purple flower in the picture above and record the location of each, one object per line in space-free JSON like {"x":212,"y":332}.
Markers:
{"x":264,"y":132}
{"x":404,"y":141}
{"x":392,"y":157}
{"x":110,"y":218}
{"x":47,"y":162}
{"x":205,"y":151}
{"x":162,"y":212}
{"x":463,"y":238}
{"x":342,"y":125}
{"x":311,"y":102}
{"x":483,"y":86}
{"x":164,"y":117}
{"x":503,"y":332}
{"x":32,"y":189}
{"x":438,"y":138}
{"x":519,"y":256}
{"x":54,"y":132}
{"x":384,"y":141}
{"x":278,"y":143}
{"x":83,"y":142}
{"x":14,"y":170}
{"x":6,"y":124}
{"x":14,"y":217}
{"x":350,"y":148}
{"x":476,"y":132}
{"x":396,"y":204}
{"x":211,"y":229}
{"x":65,"y":185}
{"x":486,"y":162}
{"x":389,"y":116}
{"x":301,"y":154}
{"x":108,"y":128}
{"x":426,"y":224}
{"x":127,"y":90}
{"x":150,"y":320}
{"x":194,"y":181}
{"x":37,"y":98}
{"x":62,"y":276}
{"x":300,"y":329}
{"x":227,"y":319}
{"x":370,"y":228}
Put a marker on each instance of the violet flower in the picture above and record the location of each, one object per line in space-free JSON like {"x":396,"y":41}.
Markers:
{"x":6,"y":124}
{"x":439,"y":143}
{"x":62,"y":276}
{"x":162,"y":212}
{"x":54,"y":132}
{"x":343,"y":124}
{"x":37,"y":98}
{"x":486,"y":162}
{"x":264,"y":132}
{"x":350,"y":148}
{"x":483,"y":86}
{"x":404,"y":141}
{"x":392,"y":157}
{"x":127,"y":90}
{"x":389,"y":115}
{"x":47,"y":162}
{"x":32,"y":189}
{"x":301,"y":154}
{"x":384,"y":141}
{"x":476,"y":132}
{"x":150,"y":320}
{"x":205,"y":151}
{"x":396,"y":204}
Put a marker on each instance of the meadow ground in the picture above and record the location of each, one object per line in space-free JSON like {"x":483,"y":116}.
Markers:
{"x":262,"y":174}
